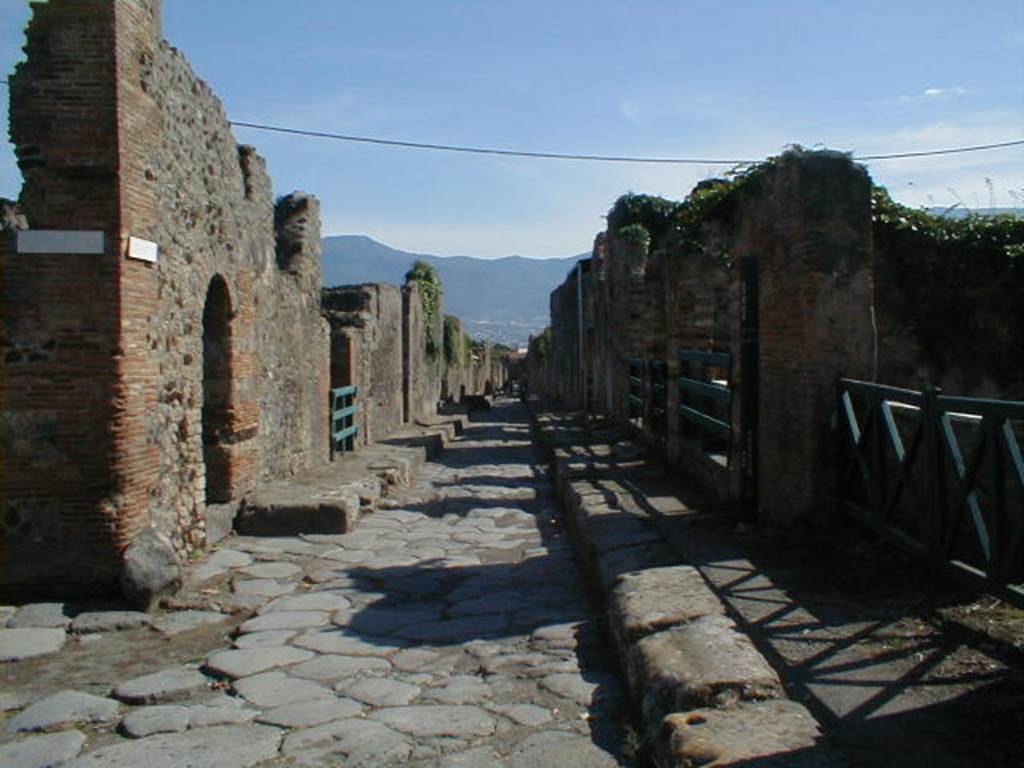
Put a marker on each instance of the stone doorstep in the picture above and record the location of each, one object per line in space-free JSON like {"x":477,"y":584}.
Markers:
{"x":772,"y":734}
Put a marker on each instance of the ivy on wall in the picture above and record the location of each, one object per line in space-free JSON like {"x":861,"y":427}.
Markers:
{"x":431,"y":291}
{"x":958,"y":282}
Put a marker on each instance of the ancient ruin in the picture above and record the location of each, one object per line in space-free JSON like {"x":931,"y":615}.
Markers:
{"x":279,"y":523}
{"x":164,"y":349}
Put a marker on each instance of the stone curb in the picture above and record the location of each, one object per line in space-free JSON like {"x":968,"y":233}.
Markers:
{"x":705,"y":695}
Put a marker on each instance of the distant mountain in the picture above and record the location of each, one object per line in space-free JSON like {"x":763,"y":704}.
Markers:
{"x":502,"y":300}
{"x":960,"y":212}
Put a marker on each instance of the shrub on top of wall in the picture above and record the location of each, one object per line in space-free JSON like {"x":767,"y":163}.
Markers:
{"x":958,"y":282}
{"x":431,"y":290}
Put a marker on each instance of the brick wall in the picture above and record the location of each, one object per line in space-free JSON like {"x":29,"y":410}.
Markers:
{"x":60,"y":312}
{"x":101,"y":389}
{"x":808,"y":225}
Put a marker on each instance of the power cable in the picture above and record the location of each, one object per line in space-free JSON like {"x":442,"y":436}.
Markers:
{"x":592,"y":158}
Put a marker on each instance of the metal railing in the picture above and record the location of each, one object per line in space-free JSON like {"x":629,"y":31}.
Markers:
{"x":658,"y":374}
{"x":705,"y":399}
{"x":637,"y":389}
{"x":942,"y":475}
{"x":343,"y":411}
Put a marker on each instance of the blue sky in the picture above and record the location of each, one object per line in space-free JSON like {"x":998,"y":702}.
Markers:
{"x":709,"y":79}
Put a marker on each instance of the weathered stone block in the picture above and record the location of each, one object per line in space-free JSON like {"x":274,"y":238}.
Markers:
{"x":772,"y":734}
{"x":645,"y":602}
{"x":151,"y":570}
{"x":706,"y":663}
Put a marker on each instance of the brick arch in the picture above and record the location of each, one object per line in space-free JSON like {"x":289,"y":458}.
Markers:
{"x":217,"y":390}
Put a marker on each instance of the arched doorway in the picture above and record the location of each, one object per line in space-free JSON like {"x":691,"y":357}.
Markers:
{"x":217,"y":390}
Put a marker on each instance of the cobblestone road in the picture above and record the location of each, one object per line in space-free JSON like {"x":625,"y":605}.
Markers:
{"x":454,"y":630}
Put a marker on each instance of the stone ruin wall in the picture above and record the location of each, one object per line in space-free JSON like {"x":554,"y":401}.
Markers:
{"x":809,"y":227}
{"x":366,"y":324}
{"x":103,"y":355}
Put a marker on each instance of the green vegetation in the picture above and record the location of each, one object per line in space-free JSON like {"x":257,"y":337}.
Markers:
{"x":541,"y":344}
{"x":679,"y":225}
{"x":452,"y":351}
{"x":959,"y":282}
{"x":431,"y":290}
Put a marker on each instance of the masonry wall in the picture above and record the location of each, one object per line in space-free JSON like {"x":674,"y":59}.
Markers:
{"x":808,"y":225}
{"x":423,"y":362}
{"x":367,"y":319}
{"x":115,"y":133}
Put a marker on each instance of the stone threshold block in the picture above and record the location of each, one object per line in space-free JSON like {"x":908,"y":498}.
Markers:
{"x":768,"y":734}
{"x":288,"y":510}
{"x":706,"y":663}
{"x":644,"y":602}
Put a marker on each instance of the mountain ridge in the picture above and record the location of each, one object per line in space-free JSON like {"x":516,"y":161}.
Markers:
{"x":503,"y":299}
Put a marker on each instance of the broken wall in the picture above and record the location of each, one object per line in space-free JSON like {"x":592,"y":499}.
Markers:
{"x":807,"y":223}
{"x":103,"y":381}
{"x":366,"y":331}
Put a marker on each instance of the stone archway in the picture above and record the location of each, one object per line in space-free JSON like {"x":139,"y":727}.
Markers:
{"x":217,"y":390}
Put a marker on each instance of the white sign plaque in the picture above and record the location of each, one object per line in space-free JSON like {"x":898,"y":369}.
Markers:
{"x":144,"y":250}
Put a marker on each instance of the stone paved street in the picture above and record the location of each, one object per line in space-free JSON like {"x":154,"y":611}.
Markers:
{"x":451,"y":630}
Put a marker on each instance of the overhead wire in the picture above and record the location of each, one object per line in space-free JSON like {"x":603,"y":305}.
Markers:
{"x":593,"y":158}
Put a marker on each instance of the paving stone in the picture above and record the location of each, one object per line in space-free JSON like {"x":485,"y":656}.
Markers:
{"x":562,"y":636}
{"x":354,"y":743}
{"x":585,"y":689}
{"x":381,"y":692}
{"x":564,"y":750}
{"x":46,"y":751}
{"x":185,"y":621}
{"x":285,"y":620}
{"x":161,"y":687}
{"x":498,"y":603}
{"x":64,"y":708}
{"x":310,"y":601}
{"x":262,"y":587}
{"x":275,"y":689}
{"x":230,"y":558}
{"x":224,"y":746}
{"x":414,"y":659}
{"x":772,"y":734}
{"x":266,"y":639}
{"x":481,"y":757}
{"x":11,"y":700}
{"x":454,"y":630}
{"x":310,"y":713}
{"x":525,"y":714}
{"x":163,"y":718}
{"x":109,"y":621}
{"x":206,"y":715}
{"x":338,"y":641}
{"x":40,"y":615}
{"x":460,"y":689}
{"x":278,"y":570}
{"x":437,"y":720}
{"x":251,"y":661}
{"x":21,"y":644}
{"x":331,"y":667}
{"x":375,"y":620}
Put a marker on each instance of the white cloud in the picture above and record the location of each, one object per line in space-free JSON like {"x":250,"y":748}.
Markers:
{"x":935,"y":93}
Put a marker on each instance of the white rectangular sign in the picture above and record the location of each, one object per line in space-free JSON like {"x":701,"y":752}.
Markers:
{"x":60,"y":241}
{"x":144,"y":250}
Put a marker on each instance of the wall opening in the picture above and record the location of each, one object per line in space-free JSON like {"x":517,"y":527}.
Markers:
{"x":217,"y":391}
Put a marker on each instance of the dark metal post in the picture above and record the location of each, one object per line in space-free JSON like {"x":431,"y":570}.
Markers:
{"x":934,"y":479}
{"x":749,"y":391}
